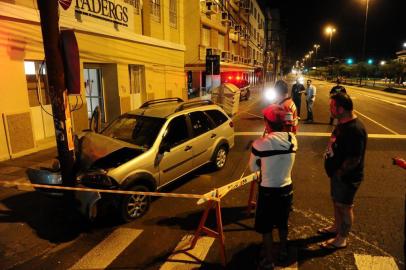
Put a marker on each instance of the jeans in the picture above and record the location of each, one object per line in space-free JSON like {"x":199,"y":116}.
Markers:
{"x":309,"y":104}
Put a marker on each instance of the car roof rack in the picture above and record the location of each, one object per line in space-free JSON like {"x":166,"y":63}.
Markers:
{"x":161,"y":100}
{"x":191,"y":104}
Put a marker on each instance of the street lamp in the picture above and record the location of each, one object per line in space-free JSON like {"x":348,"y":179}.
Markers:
{"x":316,"y":47}
{"x":364,"y":43}
{"x":383,"y":63}
{"x":404,"y":45}
{"x":330,"y":30}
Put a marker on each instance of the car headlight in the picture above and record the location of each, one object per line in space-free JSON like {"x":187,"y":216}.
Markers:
{"x":96,"y":179}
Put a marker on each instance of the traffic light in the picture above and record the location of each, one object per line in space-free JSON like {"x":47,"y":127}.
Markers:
{"x":370,"y":61}
{"x":350,"y":61}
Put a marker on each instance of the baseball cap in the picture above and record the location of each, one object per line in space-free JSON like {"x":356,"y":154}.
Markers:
{"x":274,"y":113}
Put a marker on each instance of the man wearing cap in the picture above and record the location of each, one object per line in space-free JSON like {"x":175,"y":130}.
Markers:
{"x":282,"y":98}
{"x":274,"y":155}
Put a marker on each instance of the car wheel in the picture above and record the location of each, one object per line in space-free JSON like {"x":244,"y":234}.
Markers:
{"x":135,"y":206}
{"x":220,"y":157}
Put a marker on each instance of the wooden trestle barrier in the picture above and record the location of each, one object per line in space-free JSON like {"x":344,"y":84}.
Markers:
{"x":218,"y":233}
{"x":218,"y":193}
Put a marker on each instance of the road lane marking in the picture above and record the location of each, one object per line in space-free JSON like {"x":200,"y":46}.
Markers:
{"x":368,"y":262}
{"x":324,"y":134}
{"x":323,"y":221}
{"x":362,"y":91}
{"x":387,"y":101}
{"x":105,"y":252}
{"x":183,"y":259}
{"x":379,"y":124}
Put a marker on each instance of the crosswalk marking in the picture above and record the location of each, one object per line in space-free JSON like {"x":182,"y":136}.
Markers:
{"x":188,"y":259}
{"x":368,"y":262}
{"x":105,"y":252}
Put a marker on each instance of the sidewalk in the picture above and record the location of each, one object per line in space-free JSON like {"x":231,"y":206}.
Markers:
{"x":14,"y":169}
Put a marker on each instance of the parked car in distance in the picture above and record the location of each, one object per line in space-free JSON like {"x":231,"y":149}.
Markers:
{"x":145,"y":149}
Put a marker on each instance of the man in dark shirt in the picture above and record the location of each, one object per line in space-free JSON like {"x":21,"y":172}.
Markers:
{"x":335,"y":90}
{"x":344,"y":164}
{"x":297,"y":90}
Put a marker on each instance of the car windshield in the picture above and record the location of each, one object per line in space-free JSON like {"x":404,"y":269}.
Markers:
{"x":135,"y":129}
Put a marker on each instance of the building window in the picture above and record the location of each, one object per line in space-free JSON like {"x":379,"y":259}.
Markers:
{"x":156,"y":10}
{"x":37,"y":83}
{"x":173,"y":14}
{"x":221,"y":42}
{"x":205,"y":37}
{"x":135,"y":4}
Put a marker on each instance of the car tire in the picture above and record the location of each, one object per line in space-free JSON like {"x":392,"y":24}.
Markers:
{"x":134,"y":206}
{"x":219,"y":157}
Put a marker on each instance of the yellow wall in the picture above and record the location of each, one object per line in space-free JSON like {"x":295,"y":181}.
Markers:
{"x":192,"y":30}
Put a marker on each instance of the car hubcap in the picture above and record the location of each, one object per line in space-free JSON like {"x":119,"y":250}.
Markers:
{"x":137,"y":205}
{"x":221,"y":158}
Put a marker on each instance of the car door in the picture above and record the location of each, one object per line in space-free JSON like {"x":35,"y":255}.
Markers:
{"x":203,"y":137}
{"x":178,"y":160}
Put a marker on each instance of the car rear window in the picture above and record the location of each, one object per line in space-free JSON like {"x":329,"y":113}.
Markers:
{"x":139,"y":130}
{"x":217,"y":117}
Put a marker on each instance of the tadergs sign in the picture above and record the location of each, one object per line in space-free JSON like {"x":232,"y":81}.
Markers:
{"x":107,"y":10}
{"x":99,"y":14}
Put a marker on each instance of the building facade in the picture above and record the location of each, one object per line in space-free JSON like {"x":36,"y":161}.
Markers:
{"x":231,"y":29}
{"x":130,"y":51}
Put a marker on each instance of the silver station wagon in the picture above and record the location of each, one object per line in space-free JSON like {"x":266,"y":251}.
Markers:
{"x":145,"y":149}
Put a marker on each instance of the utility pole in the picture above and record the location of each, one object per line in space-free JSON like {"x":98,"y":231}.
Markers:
{"x":57,"y":90}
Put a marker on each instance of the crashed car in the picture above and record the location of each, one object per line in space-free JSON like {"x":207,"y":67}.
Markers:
{"x":143,"y":150}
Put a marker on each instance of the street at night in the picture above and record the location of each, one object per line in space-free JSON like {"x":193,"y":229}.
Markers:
{"x":37,"y":233}
{"x":202,"y":134}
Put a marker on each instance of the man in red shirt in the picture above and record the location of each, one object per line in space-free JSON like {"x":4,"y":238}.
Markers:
{"x":283,"y":99}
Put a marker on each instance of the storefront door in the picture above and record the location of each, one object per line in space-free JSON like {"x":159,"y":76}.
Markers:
{"x":94,"y":91}
{"x":40,"y":105}
{"x":137,"y":85}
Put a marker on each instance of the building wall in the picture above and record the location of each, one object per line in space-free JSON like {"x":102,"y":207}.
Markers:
{"x":163,"y":61}
{"x":236,"y":45}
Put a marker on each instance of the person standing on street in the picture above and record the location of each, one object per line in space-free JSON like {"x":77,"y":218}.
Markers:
{"x":283,"y":99}
{"x":335,"y":90}
{"x":310,"y":98}
{"x":297,"y":90}
{"x":274,"y":154}
{"x":344,"y":164}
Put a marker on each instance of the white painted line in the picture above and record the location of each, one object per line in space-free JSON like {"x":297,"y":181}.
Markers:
{"x":105,"y":252}
{"x":384,"y":100}
{"x":325,"y":134}
{"x":183,"y":259}
{"x":368,"y":262}
{"x":258,"y":116}
{"x":379,"y":124}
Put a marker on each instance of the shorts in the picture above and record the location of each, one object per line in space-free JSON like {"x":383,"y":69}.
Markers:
{"x":342,"y":190}
{"x":273,"y":208}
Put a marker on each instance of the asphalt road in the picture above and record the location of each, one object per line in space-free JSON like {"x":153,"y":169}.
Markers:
{"x":40,"y":233}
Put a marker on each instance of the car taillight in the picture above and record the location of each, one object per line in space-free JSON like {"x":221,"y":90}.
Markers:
{"x":231,"y":124}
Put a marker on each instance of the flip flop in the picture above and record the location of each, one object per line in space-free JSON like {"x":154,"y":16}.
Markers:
{"x":331,"y":246}
{"x":325,"y":231}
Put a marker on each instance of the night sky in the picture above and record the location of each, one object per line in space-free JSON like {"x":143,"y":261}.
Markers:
{"x":305,"y":20}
